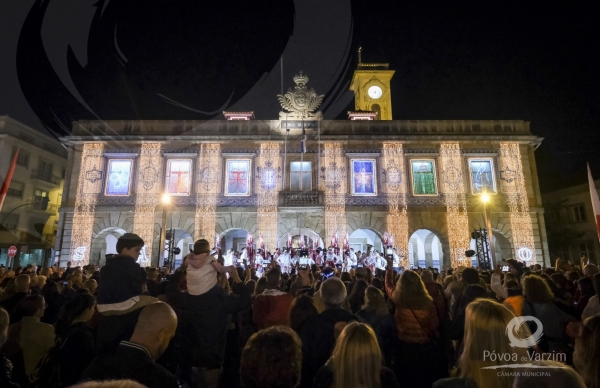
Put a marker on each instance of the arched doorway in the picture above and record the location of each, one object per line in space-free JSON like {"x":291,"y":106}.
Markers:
{"x":310,"y":236}
{"x":181,"y":239}
{"x":104,"y":243}
{"x":363,"y":239}
{"x":502,"y":248}
{"x":234,"y":239}
{"x":425,"y":249}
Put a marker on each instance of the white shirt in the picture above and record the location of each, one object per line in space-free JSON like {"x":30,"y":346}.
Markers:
{"x":352,"y":258}
{"x":396,"y":262}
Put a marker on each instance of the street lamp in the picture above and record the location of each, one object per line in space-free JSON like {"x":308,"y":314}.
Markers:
{"x":166,"y":200}
{"x":485,"y":198}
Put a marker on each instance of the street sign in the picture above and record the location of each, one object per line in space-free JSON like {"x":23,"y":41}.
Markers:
{"x":12,"y":251}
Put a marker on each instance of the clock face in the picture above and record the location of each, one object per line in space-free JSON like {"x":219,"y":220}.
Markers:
{"x":375,"y":92}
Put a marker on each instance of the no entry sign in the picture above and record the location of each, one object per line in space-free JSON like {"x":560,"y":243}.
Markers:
{"x":12,"y":251}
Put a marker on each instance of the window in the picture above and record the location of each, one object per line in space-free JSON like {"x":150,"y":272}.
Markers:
{"x":482,"y":176}
{"x":22,"y":159}
{"x":179,"y":172}
{"x":45,"y":168}
{"x":40,"y":199}
{"x":577,"y":213}
{"x":237,"y":178}
{"x":301,"y":176}
{"x":16,"y":189}
{"x":423,"y":177}
{"x":118,"y":178}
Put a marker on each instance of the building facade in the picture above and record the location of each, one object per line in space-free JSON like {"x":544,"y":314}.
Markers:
{"x":29,"y":215}
{"x":306,"y":178}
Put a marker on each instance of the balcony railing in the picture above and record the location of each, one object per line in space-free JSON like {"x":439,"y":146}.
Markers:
{"x":45,"y":176}
{"x":300,"y":198}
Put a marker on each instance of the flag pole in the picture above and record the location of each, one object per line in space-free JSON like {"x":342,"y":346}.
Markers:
{"x":8,"y":178}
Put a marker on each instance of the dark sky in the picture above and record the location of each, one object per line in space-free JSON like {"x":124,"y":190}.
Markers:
{"x":537,"y":61}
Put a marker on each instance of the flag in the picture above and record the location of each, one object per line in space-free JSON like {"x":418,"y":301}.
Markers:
{"x":595,"y":201}
{"x":8,"y":178}
{"x":303,"y":140}
{"x":289,"y":242}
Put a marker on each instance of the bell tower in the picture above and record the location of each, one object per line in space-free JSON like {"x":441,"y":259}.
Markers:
{"x":371,"y":87}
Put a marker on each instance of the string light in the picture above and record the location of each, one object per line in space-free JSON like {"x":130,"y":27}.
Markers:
{"x":268,"y":178}
{"x":453,"y":187}
{"x":333,"y":176}
{"x":148,"y":196}
{"x":207,"y":191}
{"x":88,"y":188}
{"x":513,"y":184}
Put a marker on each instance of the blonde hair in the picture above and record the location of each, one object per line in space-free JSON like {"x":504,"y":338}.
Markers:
{"x":536,"y":290}
{"x":375,"y":301}
{"x":356,"y":358}
{"x":3,"y":320}
{"x":41,"y":281}
{"x":411,"y":292}
{"x":485,"y":334}
{"x":109,"y":384}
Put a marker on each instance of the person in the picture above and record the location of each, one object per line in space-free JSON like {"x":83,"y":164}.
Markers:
{"x":272,"y":358}
{"x":356,"y":362}
{"x":317,"y":332}
{"x":593,"y":306}
{"x":436,"y":291}
{"x":586,"y":357}
{"x":109,"y":384}
{"x":558,"y":377}
{"x":272,"y":307}
{"x":21,"y":292}
{"x":75,"y":340}
{"x":375,"y":313}
{"x":585,"y":288}
{"x":5,"y":364}
{"x":119,"y":293}
{"x":74,"y":284}
{"x":515,"y":299}
{"x":135,"y":359}
{"x":152,"y":283}
{"x":357,"y":296}
{"x":303,"y":307}
{"x":485,"y":329}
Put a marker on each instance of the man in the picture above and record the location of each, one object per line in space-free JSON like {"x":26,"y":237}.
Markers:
{"x":436,"y":291}
{"x":259,"y":262}
{"x":317,"y":333}
{"x":74,"y":284}
{"x":152,"y":283}
{"x":135,"y":359}
{"x":284,"y":261}
{"x":21,"y":291}
{"x":330,"y":258}
{"x":272,"y":307}
{"x":468,"y":277}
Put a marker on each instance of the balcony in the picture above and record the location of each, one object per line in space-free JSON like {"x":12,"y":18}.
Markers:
{"x":42,"y":204}
{"x":46,"y":177}
{"x":300,"y":198}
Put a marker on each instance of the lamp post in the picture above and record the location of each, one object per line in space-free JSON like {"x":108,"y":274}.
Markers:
{"x":166,"y":200}
{"x":485,"y":198}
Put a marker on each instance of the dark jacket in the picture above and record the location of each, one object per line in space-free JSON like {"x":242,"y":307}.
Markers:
{"x":454,"y":382}
{"x":120,"y":280}
{"x":9,"y":304}
{"x":5,"y":373}
{"x":318,"y":341}
{"x":325,"y":377}
{"x":113,"y":329}
{"x":76,"y":352}
{"x":203,"y":321}
{"x":385,"y":329}
{"x":129,"y":361}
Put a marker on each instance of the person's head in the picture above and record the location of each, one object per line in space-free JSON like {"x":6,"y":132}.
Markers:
{"x":155,"y":328}
{"x":485,"y":331}
{"x":80,"y":309}
{"x":261,"y":286}
{"x":302,"y":308}
{"x":273,"y":278}
{"x":587,"y":352}
{"x":590,"y":270}
{"x":559,"y":376}
{"x":333,"y":292}
{"x":69,"y":264}
{"x":586,"y":287}
{"x":22,"y":283}
{"x":560,"y":280}
{"x":32,"y":306}
{"x":109,"y":384}
{"x":272,"y":358}
{"x":77,"y":279}
{"x":375,"y":301}
{"x":513,"y":288}
{"x":360,"y":273}
{"x":536,"y":290}
{"x":357,"y":296}
{"x":470,"y":276}
{"x":356,"y":359}
{"x":41,"y":281}
{"x":91,"y":285}
{"x":33,"y":280}
{"x":427,"y":276}
{"x":4,"y":321}
{"x":250,"y":285}
{"x":152,"y":273}
{"x":130,"y":244}
{"x":346,"y":278}
{"x":410,"y":291}
{"x":572,"y":276}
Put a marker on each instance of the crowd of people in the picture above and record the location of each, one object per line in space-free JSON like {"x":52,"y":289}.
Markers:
{"x":215,"y":322}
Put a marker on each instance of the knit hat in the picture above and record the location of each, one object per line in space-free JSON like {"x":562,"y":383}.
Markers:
{"x":201,"y":246}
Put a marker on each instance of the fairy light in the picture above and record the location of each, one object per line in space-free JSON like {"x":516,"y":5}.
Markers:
{"x":148,"y":196}
{"x":207,"y":191}
{"x":89,"y":186}
{"x":453,"y":187}
{"x":513,"y":184}
{"x":333,"y":176}
{"x":268,"y":178}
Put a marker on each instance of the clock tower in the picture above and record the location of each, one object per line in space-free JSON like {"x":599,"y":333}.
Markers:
{"x":371,"y":87}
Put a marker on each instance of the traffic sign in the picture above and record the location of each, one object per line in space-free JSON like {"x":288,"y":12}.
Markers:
{"x":12,"y":251}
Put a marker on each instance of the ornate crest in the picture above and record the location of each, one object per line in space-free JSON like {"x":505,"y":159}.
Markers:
{"x":453,"y":178}
{"x":300,"y":102}
{"x":333,"y":176}
{"x":93,"y":175}
{"x":392,"y":175}
{"x":208,"y":177}
{"x":507,"y":175}
{"x":149,"y":176}
{"x":268,"y":175}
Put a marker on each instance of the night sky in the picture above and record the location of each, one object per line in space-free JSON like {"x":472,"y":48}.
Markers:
{"x":90,"y":59}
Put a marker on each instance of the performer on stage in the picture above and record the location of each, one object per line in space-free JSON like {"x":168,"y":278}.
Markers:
{"x":319,"y":257}
{"x":284,"y":261}
{"x":228,"y":258}
{"x":258,"y":262}
{"x":330,"y":258}
{"x":396,"y":261}
{"x":353,"y":260}
{"x":295,"y":256}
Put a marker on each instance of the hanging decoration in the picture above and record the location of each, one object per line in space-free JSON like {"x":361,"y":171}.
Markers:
{"x":207,"y":191}
{"x":88,"y":188}
{"x":333,"y":175}
{"x":395,"y":185}
{"x":513,"y":185}
{"x":148,"y":190}
{"x":268,"y":175}
{"x":453,"y":187}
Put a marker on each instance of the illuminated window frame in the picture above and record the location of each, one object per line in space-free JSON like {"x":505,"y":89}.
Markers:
{"x":108,"y":169}
{"x":493,"y":172}
{"x":249,"y":178}
{"x":435,"y":180}
{"x":352,"y":188}
{"x":168,"y":176}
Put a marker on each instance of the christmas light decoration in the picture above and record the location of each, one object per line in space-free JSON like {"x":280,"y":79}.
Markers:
{"x":268,"y":176}
{"x":148,"y":196}
{"x":453,"y":187}
{"x":88,"y":188}
{"x":207,"y":191}
{"x":333,"y":174}
{"x":513,"y":185}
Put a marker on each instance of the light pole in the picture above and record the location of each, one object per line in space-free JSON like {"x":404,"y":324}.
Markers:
{"x":485,"y":198}
{"x":166,"y":200}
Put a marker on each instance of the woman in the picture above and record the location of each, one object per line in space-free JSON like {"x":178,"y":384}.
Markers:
{"x":419,"y":359}
{"x":355,"y":362}
{"x":485,"y":329}
{"x":74,"y":338}
{"x":587,"y":352}
{"x":302,"y":308}
{"x":357,"y":296}
{"x":585,"y":286}
{"x":5,"y":364}
{"x":375,"y":313}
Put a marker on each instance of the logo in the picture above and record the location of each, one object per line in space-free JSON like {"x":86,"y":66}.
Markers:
{"x":514,"y":327}
{"x":525,"y":254}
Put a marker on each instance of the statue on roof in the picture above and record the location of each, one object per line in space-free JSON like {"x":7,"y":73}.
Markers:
{"x":301,"y":102}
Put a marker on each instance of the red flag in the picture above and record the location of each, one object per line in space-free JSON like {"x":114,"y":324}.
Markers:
{"x":8,"y":178}
{"x":595,"y":200}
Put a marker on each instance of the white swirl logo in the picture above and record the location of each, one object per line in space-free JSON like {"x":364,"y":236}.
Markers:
{"x":514,"y":328}
{"x":525,"y":254}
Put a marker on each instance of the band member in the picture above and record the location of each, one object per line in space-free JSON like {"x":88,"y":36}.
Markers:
{"x":396,"y":261}
{"x":295,"y":257}
{"x":352,"y":262}
{"x":380,"y":262}
{"x":258,"y":262}
{"x":330,"y":258}
{"x":284,"y":261}
{"x":228,"y":258}
{"x":319,"y":257}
